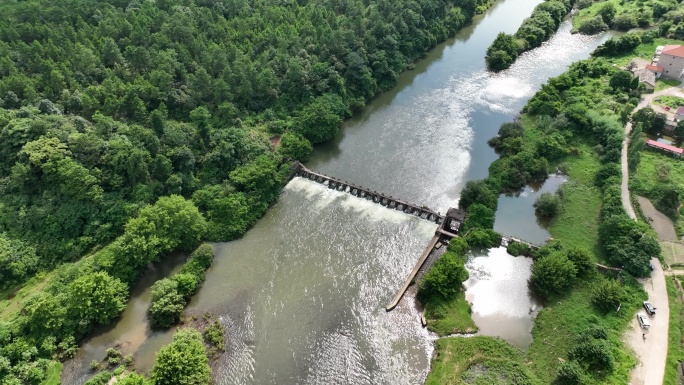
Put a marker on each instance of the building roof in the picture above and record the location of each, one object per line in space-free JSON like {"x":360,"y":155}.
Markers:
{"x":674,"y":50}
{"x":680,"y":110}
{"x":654,"y":68}
{"x":664,"y":146}
{"x":646,"y":76}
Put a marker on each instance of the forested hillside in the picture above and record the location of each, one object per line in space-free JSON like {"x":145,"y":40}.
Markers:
{"x":110,"y":105}
{"x":132,"y":128}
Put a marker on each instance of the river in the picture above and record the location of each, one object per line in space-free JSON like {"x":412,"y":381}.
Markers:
{"x":302,"y":294}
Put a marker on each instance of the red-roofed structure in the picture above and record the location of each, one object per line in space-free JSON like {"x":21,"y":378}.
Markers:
{"x":670,"y":59}
{"x":658,"y":70}
{"x":665,"y":147}
{"x":674,"y":50}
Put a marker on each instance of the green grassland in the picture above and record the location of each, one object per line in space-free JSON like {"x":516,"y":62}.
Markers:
{"x":478,"y":360}
{"x":675,"y":346}
{"x":651,"y":173}
{"x":621,"y":6}
{"x":669,"y":101}
{"x":53,"y":374}
{"x":450,"y":317}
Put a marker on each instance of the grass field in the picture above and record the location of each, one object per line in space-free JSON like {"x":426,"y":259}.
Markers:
{"x":591,"y":11}
{"x":562,"y":320}
{"x":450,"y":317}
{"x":662,"y":84}
{"x":673,"y":252}
{"x":560,"y":323}
{"x":654,"y":169}
{"x":478,"y":360}
{"x":669,"y":101}
{"x":675,"y":346}
{"x":53,"y":374}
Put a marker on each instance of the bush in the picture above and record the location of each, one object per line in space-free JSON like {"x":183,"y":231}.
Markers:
{"x":502,"y":53}
{"x":582,"y":261}
{"x":479,"y":216}
{"x":167,"y":304}
{"x":570,"y":373}
{"x":215,"y":336}
{"x":169,"y":295}
{"x":444,"y":279}
{"x":483,"y":238}
{"x":594,"y":354}
{"x":553,"y":274}
{"x":518,"y":249}
{"x":624,"y":22}
{"x":478,"y":192}
{"x":607,"y":295}
{"x":547,"y":205}
{"x":295,"y":146}
{"x":187,"y":283}
{"x":458,"y":246}
{"x":593,"y":26}
{"x":183,"y":361}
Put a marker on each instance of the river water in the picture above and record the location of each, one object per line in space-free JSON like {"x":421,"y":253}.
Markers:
{"x":302,"y":294}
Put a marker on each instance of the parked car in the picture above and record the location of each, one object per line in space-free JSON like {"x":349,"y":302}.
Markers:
{"x":643,"y":321}
{"x":650,"y":309}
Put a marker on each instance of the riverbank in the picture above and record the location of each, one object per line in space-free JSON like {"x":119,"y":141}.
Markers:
{"x":589,"y":201}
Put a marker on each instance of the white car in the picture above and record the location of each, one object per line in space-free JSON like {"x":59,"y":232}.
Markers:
{"x":643,"y":321}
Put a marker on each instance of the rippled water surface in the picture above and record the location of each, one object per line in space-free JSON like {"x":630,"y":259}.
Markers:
{"x":302,"y":294}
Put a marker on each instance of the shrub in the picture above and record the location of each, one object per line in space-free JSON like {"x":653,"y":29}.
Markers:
{"x":607,"y":295}
{"x":101,"y":378}
{"x":167,"y":304}
{"x":624,"y":22}
{"x":517,"y":249}
{"x":479,"y":216}
{"x":183,"y":361}
{"x":215,"y":336}
{"x":553,"y":274}
{"x":483,"y":238}
{"x":478,"y":192}
{"x":594,"y":354}
{"x":547,"y":205}
{"x":502,"y":52}
{"x":570,"y":373}
{"x":169,"y":294}
{"x":187,"y":284}
{"x":458,"y":246}
{"x":593,"y":26}
{"x":444,"y":279}
{"x":582,"y":261}
{"x":295,"y":146}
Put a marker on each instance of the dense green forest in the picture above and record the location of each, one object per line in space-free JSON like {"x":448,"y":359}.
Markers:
{"x":110,"y":105}
{"x":129,"y":129}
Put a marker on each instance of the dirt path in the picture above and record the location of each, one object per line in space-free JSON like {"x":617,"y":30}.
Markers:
{"x":652,"y":350}
{"x":660,"y":222}
{"x":645,"y":101}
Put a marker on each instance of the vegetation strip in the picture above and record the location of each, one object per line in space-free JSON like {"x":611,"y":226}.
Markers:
{"x":539,"y":27}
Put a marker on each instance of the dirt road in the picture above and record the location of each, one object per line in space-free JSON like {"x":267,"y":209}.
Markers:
{"x":652,"y":350}
{"x":659,"y":221}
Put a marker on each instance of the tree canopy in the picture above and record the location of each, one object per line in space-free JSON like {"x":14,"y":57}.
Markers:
{"x":183,"y":361}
